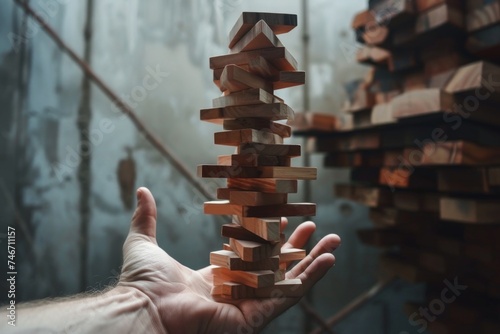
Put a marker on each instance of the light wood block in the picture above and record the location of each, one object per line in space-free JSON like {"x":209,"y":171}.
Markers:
{"x":238,"y":137}
{"x":292,"y":254}
{"x":284,"y":210}
{"x":260,"y":36}
{"x":454,"y":153}
{"x":255,"y":279}
{"x":273,"y":111}
{"x":252,"y":160}
{"x":470,"y":210}
{"x":421,"y":102}
{"x":231,"y":261}
{"x":263,"y":185}
{"x":482,"y":17}
{"x":252,"y":251}
{"x":282,"y":130}
{"x":266,"y":228}
{"x":481,"y":76}
{"x":236,"y":79}
{"x":278,"y":23}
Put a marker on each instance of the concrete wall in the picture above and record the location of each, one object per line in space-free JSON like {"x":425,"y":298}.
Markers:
{"x":41,"y":90}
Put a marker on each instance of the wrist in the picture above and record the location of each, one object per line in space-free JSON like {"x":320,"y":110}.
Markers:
{"x":132,"y":301}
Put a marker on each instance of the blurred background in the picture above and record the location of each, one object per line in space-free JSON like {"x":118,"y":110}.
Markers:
{"x":72,"y":212}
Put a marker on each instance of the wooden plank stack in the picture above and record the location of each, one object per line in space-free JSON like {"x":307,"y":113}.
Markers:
{"x":259,"y":174}
{"x":423,"y":151}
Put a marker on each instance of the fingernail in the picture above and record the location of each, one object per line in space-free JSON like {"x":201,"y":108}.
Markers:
{"x":139,"y":194}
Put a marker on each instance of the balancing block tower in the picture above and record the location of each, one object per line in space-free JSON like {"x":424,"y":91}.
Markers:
{"x":259,"y":175}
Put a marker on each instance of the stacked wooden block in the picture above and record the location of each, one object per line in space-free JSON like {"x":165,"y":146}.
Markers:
{"x":423,"y":151}
{"x":259,"y":175}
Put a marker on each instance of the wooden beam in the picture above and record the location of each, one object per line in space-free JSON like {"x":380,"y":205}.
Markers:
{"x":470,"y":210}
{"x":273,"y":111}
{"x":255,"y":279}
{"x":263,"y":185}
{"x":278,"y":57}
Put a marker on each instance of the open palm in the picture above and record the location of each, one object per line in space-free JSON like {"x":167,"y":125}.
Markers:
{"x":181,"y":297}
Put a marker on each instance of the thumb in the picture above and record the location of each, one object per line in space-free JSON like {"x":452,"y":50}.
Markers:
{"x":144,"y":219}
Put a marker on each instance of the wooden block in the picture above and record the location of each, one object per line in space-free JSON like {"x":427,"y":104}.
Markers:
{"x":279,"y":275}
{"x":268,"y":172}
{"x":354,"y":142}
{"x":255,"y":279}
{"x":384,"y":216}
{"x":274,"y":150}
{"x":263,"y":185}
{"x":441,"y":80}
{"x":454,"y":153}
{"x":235,"y":79}
{"x":266,"y":228}
{"x":263,"y":68}
{"x":252,"y":251}
{"x":274,"y":111}
{"x":231,"y":261}
{"x":253,"y":160}
{"x":246,"y":97}
{"x":285,"y":289}
{"x":361,"y":19}
{"x":382,"y":114}
{"x":419,"y":202}
{"x":482,"y":17}
{"x":282,"y":130}
{"x":252,"y":198}
{"x":260,"y":36}
{"x":280,"y":58}
{"x":278,"y":23}
{"x":238,"y":137}
{"x":227,"y":247}
{"x":284,"y":210}
{"x":421,"y":102}
{"x":292,"y":254}
{"x":287,"y":79}
{"x":237,"y":231}
{"x":396,"y":177}
{"x":470,"y":210}
{"x":314,"y":121}
{"x":476,"y":77}
{"x":291,"y":288}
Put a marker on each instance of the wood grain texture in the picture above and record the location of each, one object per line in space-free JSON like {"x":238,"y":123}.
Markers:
{"x":273,"y":111}
{"x":282,"y":130}
{"x":291,"y":288}
{"x":284,"y":210}
{"x":234,"y":79}
{"x":255,"y":279}
{"x":287,"y":79}
{"x":253,"y":160}
{"x":231,"y":261}
{"x":260,"y":36}
{"x":279,"y":24}
{"x":266,"y":228}
{"x":278,"y":57}
{"x":237,"y":231}
{"x":269,"y":149}
{"x":253,"y":198}
{"x":454,"y":153}
{"x":267,"y":172}
{"x":421,"y":102}
{"x":244,"y":98}
{"x":238,"y":137}
{"x":263,"y":185}
{"x":252,"y":251}
{"x":292,"y":254}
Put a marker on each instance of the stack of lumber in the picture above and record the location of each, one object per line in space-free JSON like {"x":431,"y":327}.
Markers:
{"x":424,"y":151}
{"x":259,"y":174}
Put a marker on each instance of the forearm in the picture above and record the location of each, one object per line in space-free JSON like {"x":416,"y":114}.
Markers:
{"x":120,"y":310}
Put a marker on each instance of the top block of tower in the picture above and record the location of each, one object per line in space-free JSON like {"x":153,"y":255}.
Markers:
{"x":279,"y":24}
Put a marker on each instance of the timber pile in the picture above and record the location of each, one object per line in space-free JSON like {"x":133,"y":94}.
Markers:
{"x":423,"y":152}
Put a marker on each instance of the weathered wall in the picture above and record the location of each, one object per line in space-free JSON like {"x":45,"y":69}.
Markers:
{"x":40,"y":93}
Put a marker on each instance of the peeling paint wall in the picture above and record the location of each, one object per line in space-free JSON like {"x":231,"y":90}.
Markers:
{"x":132,"y":40}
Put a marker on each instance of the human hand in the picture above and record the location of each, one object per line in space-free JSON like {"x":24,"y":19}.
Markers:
{"x":180,"y":298}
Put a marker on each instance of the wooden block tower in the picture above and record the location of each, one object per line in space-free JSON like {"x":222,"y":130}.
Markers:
{"x":259,"y":176}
